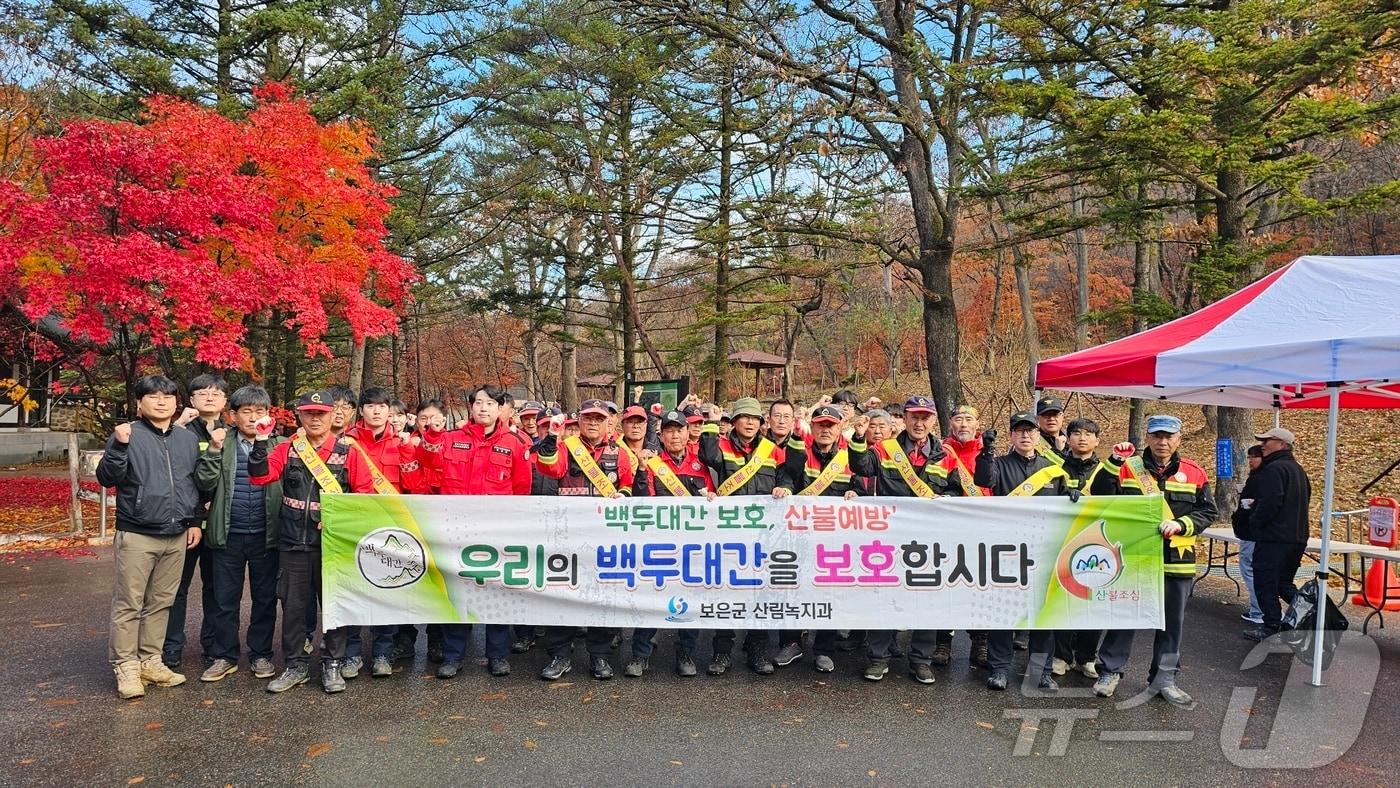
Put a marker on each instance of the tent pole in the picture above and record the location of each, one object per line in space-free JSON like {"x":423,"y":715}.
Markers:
{"x":1278,"y":417}
{"x":1324,"y":570}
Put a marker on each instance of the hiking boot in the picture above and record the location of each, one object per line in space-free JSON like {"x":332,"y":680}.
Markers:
{"x":824,"y":664}
{"x":685,"y":665}
{"x":981,"y":654}
{"x":602,"y":669}
{"x":1263,"y":632}
{"x":876,"y":671}
{"x":1048,"y":684}
{"x":788,"y":654}
{"x":331,"y":679}
{"x":523,"y":644}
{"x":218,"y":670}
{"x":556,"y":668}
{"x":153,"y":671}
{"x":635,"y":668}
{"x":262,"y":668}
{"x":997,"y":681}
{"x":761,"y":664}
{"x":293,"y":676}
{"x":719,"y":664}
{"x":351,"y":667}
{"x":1089,"y":669}
{"x":1107,"y":683}
{"x":382,"y":667}
{"x":129,"y":684}
{"x":1059,"y":667}
{"x":449,"y":670}
{"x":1174,"y":695}
{"x":921,"y":673}
{"x":172,"y":659}
{"x":498,"y":666}
{"x":942,"y":654}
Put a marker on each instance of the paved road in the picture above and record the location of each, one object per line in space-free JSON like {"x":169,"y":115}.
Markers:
{"x":65,"y":726}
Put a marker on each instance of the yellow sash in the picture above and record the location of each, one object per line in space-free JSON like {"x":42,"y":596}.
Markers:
{"x":381,"y":484}
{"x":1036,"y":481}
{"x":632,"y":455}
{"x":315,"y":464}
{"x":838,"y":465}
{"x":906,"y":470}
{"x":741,"y":477}
{"x":584,"y":459}
{"x":1149,"y":487}
{"x":1047,"y":450}
{"x":964,"y":474}
{"x":667,"y":477}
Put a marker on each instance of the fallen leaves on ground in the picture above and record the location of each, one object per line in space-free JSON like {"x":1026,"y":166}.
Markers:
{"x":318,"y":749}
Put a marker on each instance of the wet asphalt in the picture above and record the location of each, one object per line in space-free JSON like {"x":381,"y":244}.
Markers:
{"x":64,"y":725}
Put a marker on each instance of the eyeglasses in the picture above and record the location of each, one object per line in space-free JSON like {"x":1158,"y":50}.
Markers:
{"x":208,"y":394}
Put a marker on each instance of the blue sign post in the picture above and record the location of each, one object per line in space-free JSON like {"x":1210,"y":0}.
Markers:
{"x":1224,"y":458}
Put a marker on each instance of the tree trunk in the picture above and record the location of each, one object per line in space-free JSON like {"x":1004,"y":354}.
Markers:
{"x":1081,"y":272}
{"x":726,"y":201}
{"x":568,"y":339}
{"x":1028,"y":321}
{"x":291,"y":352}
{"x":989,"y":360}
{"x":1233,"y":423}
{"x":357,"y":366}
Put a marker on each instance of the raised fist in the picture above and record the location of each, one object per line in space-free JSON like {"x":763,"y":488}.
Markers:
{"x":656,"y":409}
{"x":825,"y":399}
{"x":860,"y":424}
{"x":216,"y":438}
{"x":1124,"y":450}
{"x":410,"y":420}
{"x":122,"y":433}
{"x":264,"y":427}
{"x":556,"y":425}
{"x":186,"y":416}
{"x":989,"y":440}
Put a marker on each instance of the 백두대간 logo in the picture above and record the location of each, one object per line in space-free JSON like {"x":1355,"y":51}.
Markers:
{"x":390,"y":557}
{"x":1089,"y":561}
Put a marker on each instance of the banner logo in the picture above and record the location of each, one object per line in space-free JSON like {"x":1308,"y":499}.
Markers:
{"x":390,"y":557}
{"x":678,"y":607}
{"x":1090,"y":561}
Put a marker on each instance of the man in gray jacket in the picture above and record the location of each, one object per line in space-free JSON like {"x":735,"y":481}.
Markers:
{"x":151,"y":464}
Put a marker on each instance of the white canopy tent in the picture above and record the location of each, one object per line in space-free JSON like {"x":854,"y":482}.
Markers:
{"x":1319,"y":332}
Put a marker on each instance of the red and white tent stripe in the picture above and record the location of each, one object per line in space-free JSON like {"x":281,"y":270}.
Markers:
{"x":1275,"y":343}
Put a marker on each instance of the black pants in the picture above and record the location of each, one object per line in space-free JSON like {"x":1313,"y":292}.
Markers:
{"x":299,"y":586}
{"x":1079,"y":646}
{"x":1166,"y":643}
{"x":723,"y":641}
{"x":175,"y":628}
{"x":1000,"y":649}
{"x":922,"y":642}
{"x":823,"y":640}
{"x":244,"y":552}
{"x":559,"y":641}
{"x":1275,"y":566}
{"x":945,"y":636}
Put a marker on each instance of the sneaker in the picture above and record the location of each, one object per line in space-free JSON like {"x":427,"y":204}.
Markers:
{"x":399,"y":652}
{"x":522,"y":645}
{"x":331,"y":679}
{"x":1252,"y":618}
{"x":635,"y":668}
{"x":685,"y":665}
{"x":556,"y":668}
{"x":1174,"y":695}
{"x":602,"y":669}
{"x":435,"y":653}
{"x":262,"y":668}
{"x":293,"y":676}
{"x":824,"y":664}
{"x":1048,"y":684}
{"x":448,"y":670}
{"x":1107,"y":683}
{"x":498,"y":666}
{"x":1059,"y":667}
{"x":1089,"y":669}
{"x":719,"y":664}
{"x":382,"y":667}
{"x":761,"y":664}
{"x":876,"y":671}
{"x":997,"y":681}
{"x":153,"y":671}
{"x":218,"y":670}
{"x":307,"y":646}
{"x":981,"y":653}
{"x":1262,"y":632}
{"x":788,"y":654}
{"x":129,"y":680}
{"x":351,"y":667}
{"x":921,"y":673}
{"x":942,"y":654}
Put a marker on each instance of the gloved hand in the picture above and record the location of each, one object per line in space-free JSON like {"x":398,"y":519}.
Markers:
{"x":264,"y":427}
{"x":556,"y":425}
{"x":1073,"y":494}
{"x":1124,"y":450}
{"x":989,"y":441}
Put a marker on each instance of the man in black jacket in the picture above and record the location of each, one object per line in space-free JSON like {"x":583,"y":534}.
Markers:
{"x":151,"y":463}
{"x":1278,"y":523}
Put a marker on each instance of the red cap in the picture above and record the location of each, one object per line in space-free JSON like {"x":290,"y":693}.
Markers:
{"x":634,"y":412}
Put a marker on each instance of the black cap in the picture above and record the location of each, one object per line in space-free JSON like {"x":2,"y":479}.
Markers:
{"x":1022,"y":417}
{"x":530,"y":406}
{"x":595,"y":406}
{"x":1049,"y":405}
{"x":693,"y":414}
{"x":321,"y":401}
{"x":674,"y":417}
{"x":551,"y":412}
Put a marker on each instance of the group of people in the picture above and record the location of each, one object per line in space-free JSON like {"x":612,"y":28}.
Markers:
{"x":218,"y":490}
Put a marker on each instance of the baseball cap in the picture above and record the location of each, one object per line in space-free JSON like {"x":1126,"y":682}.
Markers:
{"x":920,"y":404}
{"x":1022,"y":417}
{"x":316,"y":401}
{"x":1278,"y":433}
{"x":674,"y":418}
{"x":965,"y":410}
{"x":1049,"y":405}
{"x":551,"y":412}
{"x":530,"y":407}
{"x":634,"y":412}
{"x":829,"y":414}
{"x":692,"y":415}
{"x":595,"y":406}
{"x":1163,"y":424}
{"x":571,"y":418}
{"x":746,"y":406}
{"x":612,"y":406}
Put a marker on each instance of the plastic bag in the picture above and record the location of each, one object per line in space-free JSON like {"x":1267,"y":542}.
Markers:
{"x":1299,"y":625}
